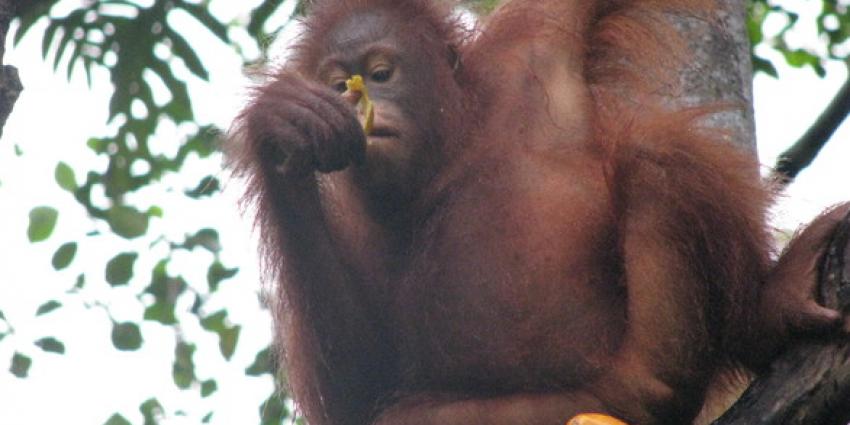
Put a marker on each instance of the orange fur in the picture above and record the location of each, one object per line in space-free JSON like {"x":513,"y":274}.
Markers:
{"x":571,"y":245}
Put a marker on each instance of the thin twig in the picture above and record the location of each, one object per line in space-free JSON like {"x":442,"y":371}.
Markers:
{"x":806,"y":149}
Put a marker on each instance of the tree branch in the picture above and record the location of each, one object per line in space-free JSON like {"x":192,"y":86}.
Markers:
{"x":806,"y":149}
{"x":810,"y":383}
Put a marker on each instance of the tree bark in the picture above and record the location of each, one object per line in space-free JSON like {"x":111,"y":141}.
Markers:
{"x":719,"y":69}
{"x":810,"y":383}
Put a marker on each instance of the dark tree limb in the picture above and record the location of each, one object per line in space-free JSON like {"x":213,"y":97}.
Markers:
{"x":10,"y":84}
{"x":810,"y":383}
{"x":806,"y":149}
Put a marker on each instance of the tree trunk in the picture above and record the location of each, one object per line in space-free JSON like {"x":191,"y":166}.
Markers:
{"x":720,"y":69}
{"x":810,"y":383}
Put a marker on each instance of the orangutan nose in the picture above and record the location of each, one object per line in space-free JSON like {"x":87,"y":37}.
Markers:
{"x":352,"y":96}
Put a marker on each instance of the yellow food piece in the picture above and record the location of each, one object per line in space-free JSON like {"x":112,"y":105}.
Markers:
{"x":356,"y":84}
{"x":594,"y":419}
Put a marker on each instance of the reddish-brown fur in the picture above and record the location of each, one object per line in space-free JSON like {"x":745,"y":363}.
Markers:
{"x":566,"y":244}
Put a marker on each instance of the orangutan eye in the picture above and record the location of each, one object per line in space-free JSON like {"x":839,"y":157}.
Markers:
{"x":382,"y":75}
{"x":339,"y":86}
{"x":336,"y":78}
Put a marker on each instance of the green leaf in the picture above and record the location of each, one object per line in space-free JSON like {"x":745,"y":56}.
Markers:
{"x":65,"y":177}
{"x":204,"y":142}
{"x":151,"y":410}
{"x":74,"y":60}
{"x":228,"y":340}
{"x":228,"y":335}
{"x":260,"y":15}
{"x":127,"y":222}
{"x":207,"y":186}
{"x":182,"y":49}
{"x":42,"y":223}
{"x":197,"y":305}
{"x":208,"y":387}
{"x":183,"y":370}
{"x":162,"y":312}
{"x":179,"y":109}
{"x":207,"y":418}
{"x":126,"y":336}
{"x":47,"y":39}
{"x":51,"y":345}
{"x":755,"y":20}
{"x":799,"y":58}
{"x":155,"y":212}
{"x":202,"y":14}
{"x":119,"y":270}
{"x":20,"y":365}
{"x":166,"y":290}
{"x":97,"y":145}
{"x":764,"y":65}
{"x":64,"y":40}
{"x":217,"y":273}
{"x":64,"y":255}
{"x":273,"y":411}
{"x":81,"y":282}
{"x":262,"y":363}
{"x":29,"y":13}
{"x":2,"y":316}
{"x":206,"y":238}
{"x":117,"y":419}
{"x":47,"y":307}
{"x":159,"y":286}
{"x":484,"y":6}
{"x":215,"y":322}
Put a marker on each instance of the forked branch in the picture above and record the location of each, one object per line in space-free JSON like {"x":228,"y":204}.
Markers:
{"x":810,"y":383}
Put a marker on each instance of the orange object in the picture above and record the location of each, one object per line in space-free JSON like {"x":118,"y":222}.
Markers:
{"x":356,"y":84}
{"x":595,"y":419}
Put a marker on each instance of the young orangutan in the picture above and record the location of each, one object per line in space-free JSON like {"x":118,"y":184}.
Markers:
{"x":522,"y":236}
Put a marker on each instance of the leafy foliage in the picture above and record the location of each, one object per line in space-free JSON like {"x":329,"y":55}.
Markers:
{"x":20,"y":365}
{"x":183,"y":371}
{"x":272,"y":410}
{"x":151,"y":411}
{"x":48,"y":307}
{"x":262,"y":364}
{"x":64,"y":255}
{"x":140,"y":47}
{"x":51,"y":345}
{"x":228,"y":334}
{"x":483,"y":6}
{"x":119,"y":270}
{"x":117,"y":419}
{"x":126,"y":336}
{"x":42,"y":222}
{"x":833,"y":25}
{"x":65,"y":177}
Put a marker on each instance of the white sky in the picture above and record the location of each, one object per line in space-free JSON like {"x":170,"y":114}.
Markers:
{"x":51,"y":122}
